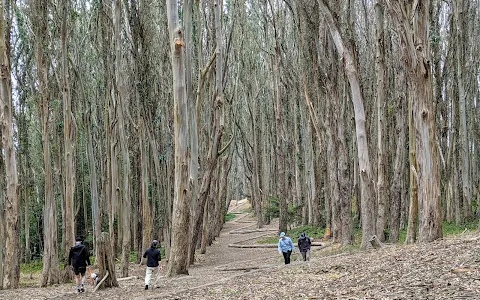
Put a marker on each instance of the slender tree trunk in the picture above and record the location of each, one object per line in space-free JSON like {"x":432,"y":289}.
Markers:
{"x":412,"y":227}
{"x":413,"y":23}
{"x":50,"y":232}
{"x":381,"y":155}
{"x":223,"y":191}
{"x":28,"y":253}
{"x":69,"y":135}
{"x":147,"y":222}
{"x":257,"y":199}
{"x":298,"y":194}
{"x":213,"y":206}
{"x":178,"y":260}
{"x":192,"y":115}
{"x":111,"y":127}
{"x":2,"y":225}
{"x":12,"y":201}
{"x":344,"y":184}
{"x":366,"y":183}
{"x":94,"y":196}
{"x":464,"y":149}
{"x":121,"y":96}
{"x":203,"y":242}
{"x":166,"y":204}
{"x":398,"y":182}
{"x":213,"y":151}
{"x":332,"y":165}
{"x":280,"y":135}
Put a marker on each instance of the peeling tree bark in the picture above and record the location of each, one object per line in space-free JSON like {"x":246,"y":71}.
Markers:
{"x":381,"y":155}
{"x":366,"y":179}
{"x":69,"y":137}
{"x":413,"y":23}
{"x":121,"y":97}
{"x":178,"y":260}
{"x":464,"y":148}
{"x":50,"y":232}
{"x":12,"y":200}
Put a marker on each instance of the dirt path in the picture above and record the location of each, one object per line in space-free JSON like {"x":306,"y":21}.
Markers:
{"x":209,"y":268}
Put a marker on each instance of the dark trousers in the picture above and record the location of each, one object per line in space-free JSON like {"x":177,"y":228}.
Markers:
{"x":286,"y":256}
{"x":304,"y":256}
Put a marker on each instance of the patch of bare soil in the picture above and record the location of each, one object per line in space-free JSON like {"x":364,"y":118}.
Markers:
{"x":446,"y":269}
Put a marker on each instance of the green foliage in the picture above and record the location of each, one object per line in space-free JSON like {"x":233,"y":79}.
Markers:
{"x":452,"y":229}
{"x":229,"y":217}
{"x":268,"y":240}
{"x":294,"y":234}
{"x":273,"y":208}
{"x":35,"y":266}
{"x":310,"y":231}
{"x":448,"y":229}
{"x":294,"y":214}
{"x":133,"y":257}
{"x":88,"y":242}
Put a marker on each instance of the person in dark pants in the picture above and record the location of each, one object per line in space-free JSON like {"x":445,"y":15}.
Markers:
{"x":304,"y":245}
{"x":285,"y":247}
{"x":153,"y":257}
{"x":79,"y":259}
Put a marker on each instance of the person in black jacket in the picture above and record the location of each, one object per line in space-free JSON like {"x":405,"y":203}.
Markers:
{"x":153,"y":257}
{"x":79,"y":259}
{"x":304,"y":245}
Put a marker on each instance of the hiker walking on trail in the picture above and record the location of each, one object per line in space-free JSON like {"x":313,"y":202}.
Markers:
{"x":304,"y":245}
{"x":285,"y":247}
{"x":79,"y":259}
{"x":153,"y":257}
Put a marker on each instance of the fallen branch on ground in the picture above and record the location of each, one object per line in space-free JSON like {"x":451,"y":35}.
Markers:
{"x":464,"y":270}
{"x":314,"y":244}
{"x":240,"y":269}
{"x":251,"y":230}
{"x":127,"y":278}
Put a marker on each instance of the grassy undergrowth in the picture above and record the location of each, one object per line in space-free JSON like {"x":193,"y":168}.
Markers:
{"x":318,"y":233}
{"x":294,"y":233}
{"x":229,"y":217}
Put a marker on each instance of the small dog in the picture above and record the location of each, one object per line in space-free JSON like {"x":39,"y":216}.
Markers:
{"x":95,"y":278}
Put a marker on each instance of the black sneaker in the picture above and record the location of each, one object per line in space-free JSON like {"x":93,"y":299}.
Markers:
{"x":146,"y":287}
{"x":82,"y":290}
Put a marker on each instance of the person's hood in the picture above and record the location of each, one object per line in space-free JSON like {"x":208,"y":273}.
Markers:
{"x":78,"y":247}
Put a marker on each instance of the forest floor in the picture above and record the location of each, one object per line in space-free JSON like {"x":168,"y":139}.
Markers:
{"x":444,"y":269}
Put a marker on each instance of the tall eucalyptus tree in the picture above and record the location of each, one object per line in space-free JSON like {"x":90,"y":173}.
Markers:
{"x":178,"y":260}
{"x":12,"y":199}
{"x":366,"y":177}
{"x":413,"y":24}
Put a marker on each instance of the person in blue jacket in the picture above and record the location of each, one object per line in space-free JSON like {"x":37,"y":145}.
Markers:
{"x":285,"y":247}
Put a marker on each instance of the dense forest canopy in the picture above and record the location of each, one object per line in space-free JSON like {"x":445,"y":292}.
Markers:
{"x":144,"y":119}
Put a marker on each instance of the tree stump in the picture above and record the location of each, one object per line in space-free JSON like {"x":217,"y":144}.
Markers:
{"x":375,"y":242}
{"x":105,"y":262}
